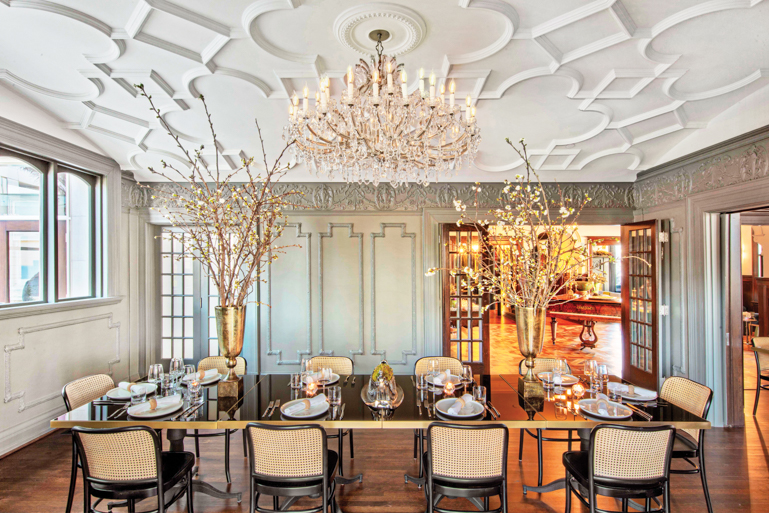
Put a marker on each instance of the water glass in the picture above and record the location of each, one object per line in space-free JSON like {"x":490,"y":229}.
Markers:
{"x":167,"y":385}
{"x":138,"y":394}
{"x":189,"y":369}
{"x":433,"y":367}
{"x":479,"y":394}
{"x":176,"y":368}
{"x":603,"y":372}
{"x":305,"y":367}
{"x":613,"y":392}
{"x":590,"y":368}
{"x":155,"y":373}
{"x":334,"y":395}
{"x":560,"y":369}
{"x":421,"y":381}
{"x":467,"y":374}
{"x":296,"y":381}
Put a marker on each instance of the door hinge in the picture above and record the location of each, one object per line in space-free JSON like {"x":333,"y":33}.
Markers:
{"x":664,"y":237}
{"x":664,"y":310}
{"x":728,"y":342}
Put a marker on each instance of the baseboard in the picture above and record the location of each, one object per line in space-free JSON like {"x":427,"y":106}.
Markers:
{"x":17,"y":436}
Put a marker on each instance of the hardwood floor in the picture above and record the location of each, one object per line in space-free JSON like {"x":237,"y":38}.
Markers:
{"x":35,"y":479}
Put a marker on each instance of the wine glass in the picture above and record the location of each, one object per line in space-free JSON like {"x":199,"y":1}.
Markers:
{"x":467,"y":374}
{"x":602,"y":375}
{"x":176,"y":369}
{"x":155,"y":373}
{"x":590,"y":368}
{"x":433,"y":367}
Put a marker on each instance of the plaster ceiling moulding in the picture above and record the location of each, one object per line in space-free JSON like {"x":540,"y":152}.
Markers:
{"x":406,"y":28}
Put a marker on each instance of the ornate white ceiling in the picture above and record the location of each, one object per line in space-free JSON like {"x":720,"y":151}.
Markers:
{"x":600,"y":90}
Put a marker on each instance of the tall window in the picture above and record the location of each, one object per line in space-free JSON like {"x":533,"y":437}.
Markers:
{"x":49,"y":231}
{"x":21,"y":200}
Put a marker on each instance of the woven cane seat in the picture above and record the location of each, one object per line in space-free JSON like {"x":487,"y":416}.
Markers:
{"x":689,"y":395}
{"x":630,"y":454}
{"x":577,"y":463}
{"x":763,"y":358}
{"x":444,"y":362}
{"x":467,"y":453}
{"x":338,"y":364}
{"x":84,"y":390}
{"x":287,"y":452}
{"x":220,"y":364}
{"x":174,"y":466}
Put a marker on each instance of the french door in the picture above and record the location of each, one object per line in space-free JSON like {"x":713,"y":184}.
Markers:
{"x":640,"y":332}
{"x":465,"y":318}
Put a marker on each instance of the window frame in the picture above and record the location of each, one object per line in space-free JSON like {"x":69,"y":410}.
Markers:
{"x":48,"y":231}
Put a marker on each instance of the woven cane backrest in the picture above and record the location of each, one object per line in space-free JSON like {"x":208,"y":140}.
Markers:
{"x":630,"y":454}
{"x":84,"y":390}
{"x":287,"y":452}
{"x":220,"y":363}
{"x":763,"y":358}
{"x":467,"y":453}
{"x":540,"y":365}
{"x":689,"y":395}
{"x":122,"y":456}
{"x":444,"y":362}
{"x":337,"y":364}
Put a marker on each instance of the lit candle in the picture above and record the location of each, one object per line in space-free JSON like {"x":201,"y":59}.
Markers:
{"x":291,"y":111}
{"x":448,"y":388}
{"x":389,"y":77}
{"x":350,"y":93}
{"x":375,"y":80}
{"x":443,"y":93}
{"x":422,"y":82}
{"x":473,"y":113}
{"x":451,"y":93}
{"x":305,"y":100}
{"x":312,"y":388}
{"x":432,"y":86}
{"x":328,"y":90}
{"x":404,"y":88}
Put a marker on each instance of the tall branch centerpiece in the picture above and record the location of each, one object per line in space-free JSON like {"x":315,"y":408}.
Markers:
{"x":228,"y":220}
{"x":532,"y":258}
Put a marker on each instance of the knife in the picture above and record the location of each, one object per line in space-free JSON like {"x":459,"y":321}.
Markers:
{"x":179,"y":415}
{"x":419,"y":404}
{"x":190,"y":411}
{"x":495,"y":410}
{"x":345,"y":380}
{"x":118,"y":412}
{"x":269,"y":407}
{"x":413,"y":383}
{"x":640,"y":412}
{"x":491,"y":413}
{"x":429,"y":413}
{"x":353,"y":381}
{"x":277,"y":405}
{"x":341,"y":413}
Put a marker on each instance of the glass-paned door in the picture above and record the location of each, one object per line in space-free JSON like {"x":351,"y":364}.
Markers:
{"x":465,"y":327}
{"x":177,"y":300}
{"x":639,"y":304}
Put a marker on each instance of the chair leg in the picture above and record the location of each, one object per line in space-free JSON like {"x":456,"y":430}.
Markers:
{"x":251,"y":498}
{"x":503,"y":497}
{"x":341,"y":451}
{"x":276,"y":502}
{"x":520,"y":448}
{"x":570,"y":439}
{"x":648,"y":506}
{"x":227,"y":455}
{"x":86,"y":497}
{"x":190,"y":508}
{"x":352,"y":448}
{"x":568,"y":493}
{"x":539,"y":457}
{"x":132,"y":505}
{"x":415,"y":442}
{"x":485,"y":504}
{"x":73,"y":478}
{"x":703,"y":477}
{"x":758,"y":393}
{"x":666,"y":498}
{"x":197,"y":445}
{"x":624,"y":505}
{"x":245,"y":444}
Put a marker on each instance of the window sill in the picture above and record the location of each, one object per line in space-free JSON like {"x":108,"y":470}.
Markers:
{"x":78,"y":304}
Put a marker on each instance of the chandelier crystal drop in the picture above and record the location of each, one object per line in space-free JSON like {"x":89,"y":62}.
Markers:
{"x":376,"y":132}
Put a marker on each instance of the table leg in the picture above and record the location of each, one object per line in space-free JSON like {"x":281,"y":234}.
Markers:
{"x":560,"y":484}
{"x":553,"y":328}
{"x":419,"y":481}
{"x":176,"y":440}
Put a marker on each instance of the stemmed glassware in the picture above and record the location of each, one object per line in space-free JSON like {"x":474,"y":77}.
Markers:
{"x":602,"y":375}
{"x":155,"y":374}
{"x":560,"y":369}
{"x":590,"y":371}
{"x":433,"y":367}
{"x":467,"y":374}
{"x":176,"y":368}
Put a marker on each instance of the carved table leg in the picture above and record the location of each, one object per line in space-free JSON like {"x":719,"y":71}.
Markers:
{"x":553,"y":328}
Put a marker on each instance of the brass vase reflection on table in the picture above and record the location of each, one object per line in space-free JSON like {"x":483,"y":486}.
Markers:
{"x":530,"y":327}
{"x":230,"y":328}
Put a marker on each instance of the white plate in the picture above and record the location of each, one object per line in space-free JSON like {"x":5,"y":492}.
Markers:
{"x":567,"y":380}
{"x":645,"y":395}
{"x":118,"y":394}
{"x":315,"y":411}
{"x":159,"y":412}
{"x":212,"y":379}
{"x":444,"y":404}
{"x":454,"y":379}
{"x":330,"y":381}
{"x":623,"y":412}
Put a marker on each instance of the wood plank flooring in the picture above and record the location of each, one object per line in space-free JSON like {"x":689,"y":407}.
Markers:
{"x":35,"y":479}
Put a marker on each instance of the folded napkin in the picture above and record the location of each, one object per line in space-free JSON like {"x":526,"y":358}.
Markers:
{"x":460,"y":404}
{"x":202,"y":375}
{"x":630,"y":390}
{"x":304,"y":404}
{"x":442,"y":378}
{"x":153,"y":404}
{"x":127,"y":386}
{"x":318,"y":376}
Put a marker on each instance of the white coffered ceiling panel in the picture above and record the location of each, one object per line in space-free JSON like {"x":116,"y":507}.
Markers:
{"x":599,"y":89}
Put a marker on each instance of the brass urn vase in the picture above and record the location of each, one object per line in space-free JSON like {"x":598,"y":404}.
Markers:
{"x":230,"y":328}
{"x":530,"y":327}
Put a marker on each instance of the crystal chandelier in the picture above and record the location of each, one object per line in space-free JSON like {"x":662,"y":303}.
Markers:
{"x":376,"y":132}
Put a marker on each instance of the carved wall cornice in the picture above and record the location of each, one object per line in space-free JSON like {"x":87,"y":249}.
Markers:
{"x":412,"y":198}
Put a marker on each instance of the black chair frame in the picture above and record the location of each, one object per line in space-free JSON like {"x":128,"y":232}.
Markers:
{"x":621,"y":489}
{"x":341,"y":433}
{"x":437,"y":487}
{"x":293,"y":488}
{"x":760,"y":378}
{"x":133,"y":490}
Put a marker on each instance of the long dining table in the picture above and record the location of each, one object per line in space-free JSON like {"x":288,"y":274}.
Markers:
{"x":507,"y":401}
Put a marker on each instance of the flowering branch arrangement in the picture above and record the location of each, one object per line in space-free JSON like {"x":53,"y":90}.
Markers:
{"x":230,"y":227}
{"x":535,"y":254}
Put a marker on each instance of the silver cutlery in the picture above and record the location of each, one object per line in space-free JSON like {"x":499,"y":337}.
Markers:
{"x":190,"y":413}
{"x":353,"y":381}
{"x":179,"y":415}
{"x":269,"y":407}
{"x":639,"y":411}
{"x":108,"y":403}
{"x":276,"y":407}
{"x":345,"y":380}
{"x":495,"y":410}
{"x":427,"y":406}
{"x":413,"y":383}
{"x":341,"y":413}
{"x":119,"y":412}
{"x":491,"y":413}
{"x":419,"y":404}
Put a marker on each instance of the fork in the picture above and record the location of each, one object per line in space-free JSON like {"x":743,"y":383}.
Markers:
{"x":277,"y":406}
{"x":269,"y":407}
{"x":119,"y":411}
{"x":345,"y":380}
{"x":353,"y":381}
{"x":427,"y":406}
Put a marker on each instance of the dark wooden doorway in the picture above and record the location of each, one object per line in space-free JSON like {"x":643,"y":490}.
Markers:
{"x":640,"y":332}
{"x":465,"y":318}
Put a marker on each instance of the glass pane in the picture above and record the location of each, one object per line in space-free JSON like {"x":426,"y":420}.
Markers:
{"x":188,"y":306}
{"x":165,"y":244}
{"x":188,"y":348}
{"x":165,"y":285}
{"x":188,"y":327}
{"x":648,"y":361}
{"x":178,"y":327}
{"x":178,"y":302}
{"x":177,"y":266}
{"x":74,"y":225}
{"x":188,"y":285}
{"x":166,"y":265}
{"x":167,"y":327}
{"x":166,"y":352}
{"x":213,"y":347}
{"x":20,"y":199}
{"x":166,"y":306}
{"x":178,"y":346}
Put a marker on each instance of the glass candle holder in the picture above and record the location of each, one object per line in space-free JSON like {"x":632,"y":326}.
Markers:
{"x":138,"y":394}
{"x":448,"y":388}
{"x":421,"y":381}
{"x":194,"y":390}
{"x":578,"y":390}
{"x":312,"y":389}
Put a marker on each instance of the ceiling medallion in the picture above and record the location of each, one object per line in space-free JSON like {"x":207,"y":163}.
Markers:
{"x":376,"y":132}
{"x":405,"y":27}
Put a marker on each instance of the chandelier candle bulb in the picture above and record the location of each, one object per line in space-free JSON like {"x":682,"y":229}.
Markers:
{"x":451,"y":94}
{"x":432,"y":86}
{"x":443,"y":93}
{"x":404,"y":87}
{"x":305,"y":100}
{"x":375,"y":81}
{"x":389,"y":77}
